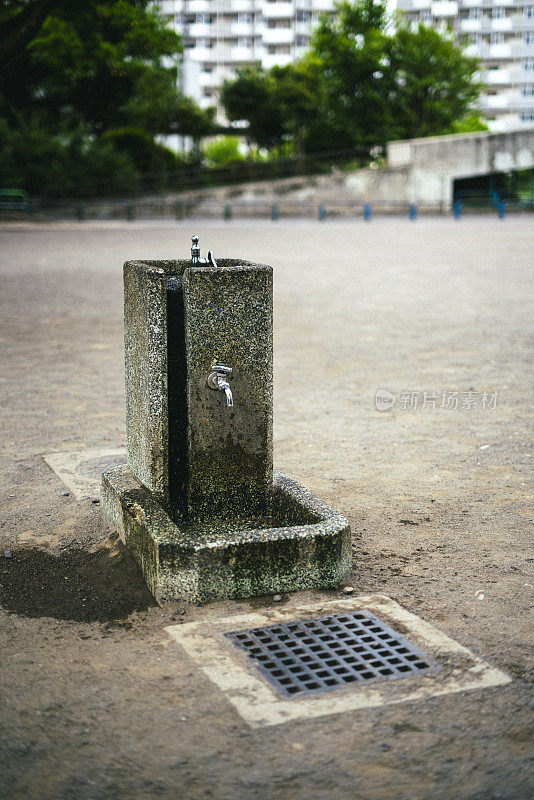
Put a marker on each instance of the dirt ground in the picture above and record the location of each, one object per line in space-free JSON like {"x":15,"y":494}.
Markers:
{"x":97,"y":702}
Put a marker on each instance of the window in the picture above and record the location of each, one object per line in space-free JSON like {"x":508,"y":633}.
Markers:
{"x":303,"y":16}
{"x":528,"y":38}
{"x":498,"y":13}
{"x":302,"y":41}
{"x":244,"y":17}
{"x":244,"y":42}
{"x":528,"y":63}
{"x":204,"y":19}
{"x":475,"y":13}
{"x":528,"y":90}
{"x":496,"y":38}
{"x":529,"y":12}
{"x":527,"y":116}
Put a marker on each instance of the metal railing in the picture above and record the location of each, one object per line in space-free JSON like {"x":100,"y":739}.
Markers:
{"x":271,"y":209}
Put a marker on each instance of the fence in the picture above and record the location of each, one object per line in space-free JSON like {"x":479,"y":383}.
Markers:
{"x":272,"y":209}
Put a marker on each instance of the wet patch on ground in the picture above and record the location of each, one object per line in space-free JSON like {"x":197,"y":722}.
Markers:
{"x":100,"y":585}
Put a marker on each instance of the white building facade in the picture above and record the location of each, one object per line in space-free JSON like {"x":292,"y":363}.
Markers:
{"x":500,"y":33}
{"x":222,"y":35}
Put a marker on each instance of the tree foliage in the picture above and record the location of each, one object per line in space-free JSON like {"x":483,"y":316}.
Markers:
{"x":360,"y":85}
{"x":433,"y":82}
{"x":223,"y":151}
{"x":74,"y":69}
{"x":276,"y":104}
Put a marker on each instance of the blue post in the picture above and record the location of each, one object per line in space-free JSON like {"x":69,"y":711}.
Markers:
{"x":228,"y":212}
{"x":322,"y":213}
{"x":413,"y":211}
{"x":458,"y":209}
{"x":501,"y":209}
{"x":274,"y":212}
{"x":367,"y":212}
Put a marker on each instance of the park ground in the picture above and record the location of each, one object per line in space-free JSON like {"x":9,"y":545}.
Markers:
{"x":97,"y":701}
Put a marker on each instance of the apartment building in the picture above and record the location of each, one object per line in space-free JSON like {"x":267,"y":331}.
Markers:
{"x":500,"y":33}
{"x":221,"y":35}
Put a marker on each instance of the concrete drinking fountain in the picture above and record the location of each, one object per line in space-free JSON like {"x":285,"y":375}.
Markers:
{"x":198,"y":503}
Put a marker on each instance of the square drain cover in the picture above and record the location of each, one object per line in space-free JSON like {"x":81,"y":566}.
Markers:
{"x":316,"y":655}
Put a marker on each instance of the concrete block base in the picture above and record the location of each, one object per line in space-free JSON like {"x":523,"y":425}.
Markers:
{"x":301,"y":544}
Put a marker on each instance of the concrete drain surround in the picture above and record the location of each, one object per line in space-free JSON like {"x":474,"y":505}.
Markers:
{"x":260,"y":703}
{"x":318,"y":655}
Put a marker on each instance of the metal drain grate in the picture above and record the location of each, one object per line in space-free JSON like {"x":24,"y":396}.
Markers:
{"x":316,"y":655}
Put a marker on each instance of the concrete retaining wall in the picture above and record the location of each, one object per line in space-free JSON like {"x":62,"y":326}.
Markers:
{"x":420,"y":171}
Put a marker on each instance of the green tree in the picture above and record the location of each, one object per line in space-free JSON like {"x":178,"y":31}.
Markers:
{"x":86,"y":60}
{"x":223,"y":151}
{"x":359,"y":85}
{"x":351,"y":51}
{"x":277,"y":104}
{"x":68,"y":164}
{"x":249,"y":97}
{"x":101,"y":62}
{"x":432,"y":82}
{"x":83,"y":67}
{"x":158,"y":108}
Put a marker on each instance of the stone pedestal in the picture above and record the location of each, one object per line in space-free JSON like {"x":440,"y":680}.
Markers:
{"x":301,"y":543}
{"x":197,"y":504}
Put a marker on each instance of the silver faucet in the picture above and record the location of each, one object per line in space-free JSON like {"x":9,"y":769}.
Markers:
{"x":195,"y":255}
{"x":217,"y":379}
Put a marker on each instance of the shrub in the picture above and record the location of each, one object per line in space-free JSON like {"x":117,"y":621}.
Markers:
{"x":222,"y":151}
{"x":155,"y":163}
{"x":66,"y":165}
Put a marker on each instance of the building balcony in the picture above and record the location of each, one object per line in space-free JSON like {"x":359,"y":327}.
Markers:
{"x":497,"y":77}
{"x":523,"y":76}
{"x":277,"y":36}
{"x":503,"y":100}
{"x":444,"y":8}
{"x":242,"y":28}
{"x":503,"y":50}
{"x":523,"y":50}
{"x":200,"y":30}
{"x":276,"y":60}
{"x":414,"y":5}
{"x":277,"y":10}
{"x":242,"y":54}
{"x":198,"y":6}
{"x":523,"y":102}
{"x":170,"y":6}
{"x":497,"y":52}
{"x":241,"y":5}
{"x":322,"y":5}
{"x":470,"y":25}
{"x":199,"y":54}
{"x":502,"y":24}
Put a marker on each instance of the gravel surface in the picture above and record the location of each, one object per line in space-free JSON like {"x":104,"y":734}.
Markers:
{"x":97,"y":702}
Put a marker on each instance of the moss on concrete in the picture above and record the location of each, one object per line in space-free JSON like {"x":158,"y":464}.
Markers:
{"x":219,"y":560}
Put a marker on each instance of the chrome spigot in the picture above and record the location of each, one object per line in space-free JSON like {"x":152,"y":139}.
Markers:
{"x":195,"y":255}
{"x":217,"y":379}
